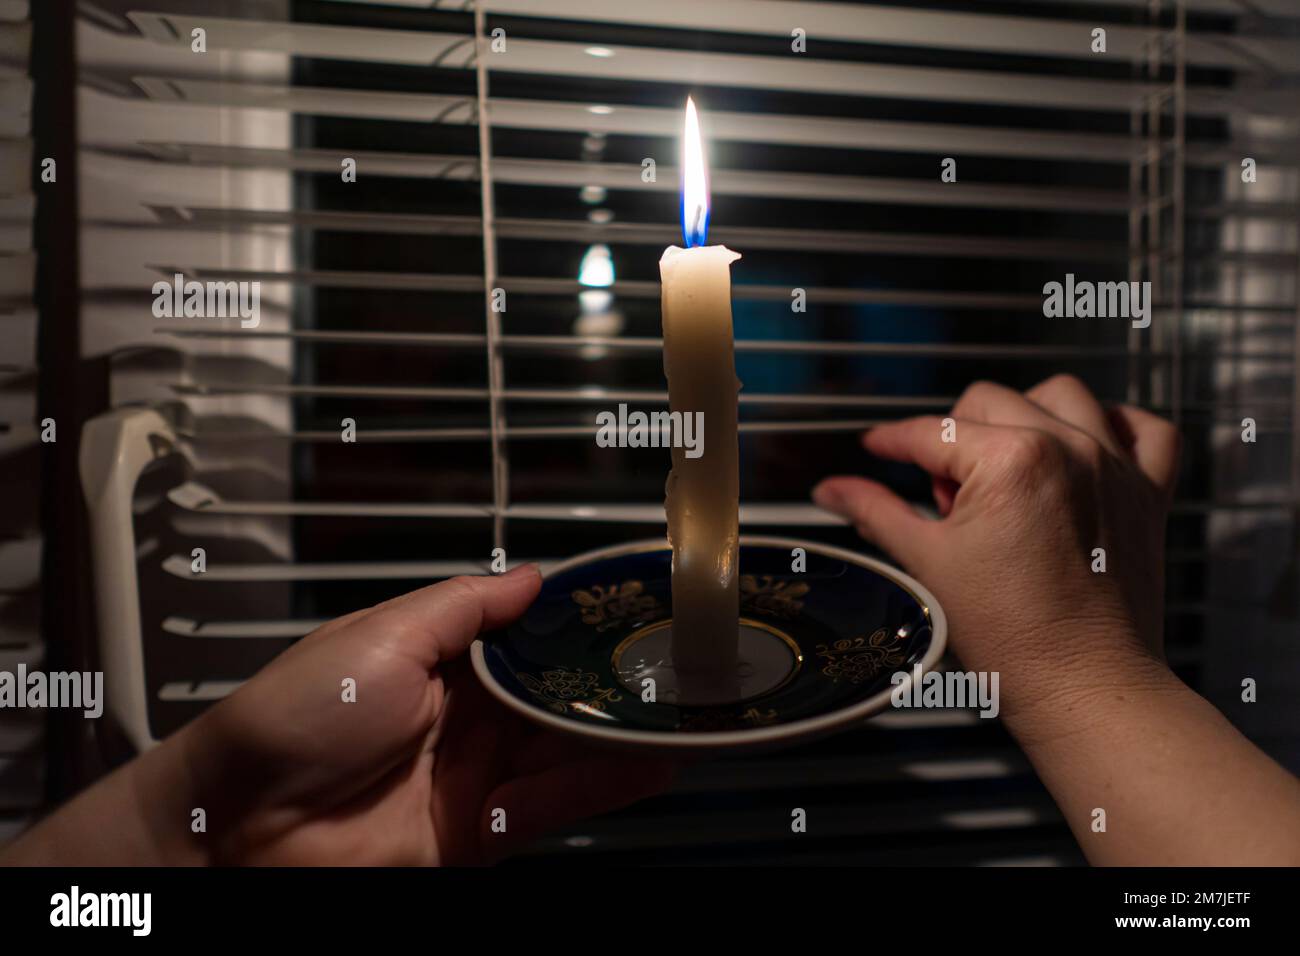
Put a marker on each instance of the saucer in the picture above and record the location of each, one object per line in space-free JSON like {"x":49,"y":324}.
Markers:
{"x":818,"y":646}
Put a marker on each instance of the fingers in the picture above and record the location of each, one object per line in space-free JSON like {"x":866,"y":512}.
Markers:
{"x":879,"y":515}
{"x":542,"y":749}
{"x":1069,"y":400}
{"x":1153,"y":442}
{"x":923,"y":441}
{"x":564,"y":794}
{"x":945,"y":493}
{"x":445,"y":618}
{"x":998,"y":405}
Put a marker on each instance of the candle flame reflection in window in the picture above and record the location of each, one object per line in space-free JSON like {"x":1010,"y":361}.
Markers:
{"x":598,"y":317}
{"x":597,"y":267}
{"x":695,"y":182}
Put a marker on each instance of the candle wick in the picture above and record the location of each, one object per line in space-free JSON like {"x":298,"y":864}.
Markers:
{"x":695,"y":226}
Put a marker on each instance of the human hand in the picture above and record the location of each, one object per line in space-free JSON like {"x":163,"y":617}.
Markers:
{"x":409,"y":773}
{"x":1031,"y":485}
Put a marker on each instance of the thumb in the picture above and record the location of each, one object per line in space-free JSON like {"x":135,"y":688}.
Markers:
{"x":879,"y":515}
{"x":445,"y":618}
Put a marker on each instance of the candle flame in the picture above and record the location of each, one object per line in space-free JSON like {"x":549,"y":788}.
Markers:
{"x":695,"y":182}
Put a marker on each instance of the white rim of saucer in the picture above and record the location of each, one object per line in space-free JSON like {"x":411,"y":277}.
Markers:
{"x":686,"y":740}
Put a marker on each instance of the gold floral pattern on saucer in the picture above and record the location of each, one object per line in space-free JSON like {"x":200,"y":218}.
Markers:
{"x":759,"y":718}
{"x":765,"y":594}
{"x":719,"y":718}
{"x":609,"y":607}
{"x":565,"y":663}
{"x":562,"y":689}
{"x":861,"y":658}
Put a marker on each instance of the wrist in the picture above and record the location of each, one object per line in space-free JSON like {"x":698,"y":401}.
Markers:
{"x":168,"y":786}
{"x":141,"y":814}
{"x":206,"y":787}
{"x":1069,"y":682}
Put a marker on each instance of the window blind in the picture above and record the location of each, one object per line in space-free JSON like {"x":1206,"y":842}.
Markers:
{"x":481,"y":168}
{"x":21,"y":732}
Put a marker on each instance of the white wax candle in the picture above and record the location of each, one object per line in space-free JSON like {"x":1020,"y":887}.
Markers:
{"x":703,"y":494}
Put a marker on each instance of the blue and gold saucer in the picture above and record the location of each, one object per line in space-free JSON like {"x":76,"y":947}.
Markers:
{"x":820,"y":647}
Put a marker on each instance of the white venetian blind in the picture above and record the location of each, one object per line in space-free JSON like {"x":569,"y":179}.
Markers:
{"x":21,"y":758}
{"x":510,"y":169}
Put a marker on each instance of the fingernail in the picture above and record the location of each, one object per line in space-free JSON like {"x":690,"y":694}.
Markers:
{"x":826,"y":496}
{"x":531,"y":568}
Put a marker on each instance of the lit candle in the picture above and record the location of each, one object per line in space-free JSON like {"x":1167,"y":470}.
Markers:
{"x":703,"y":494}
